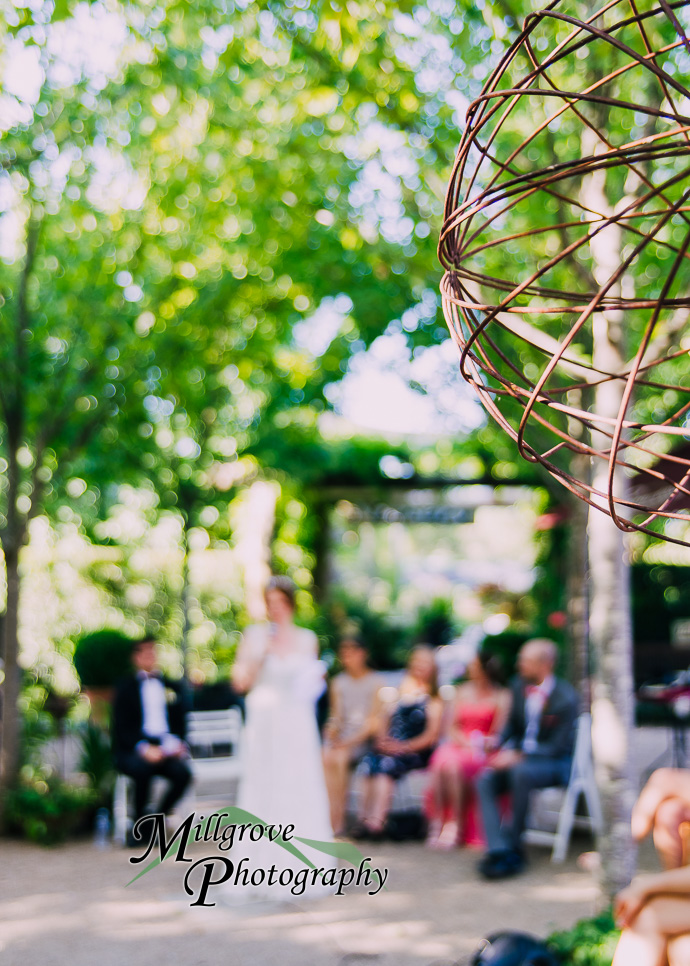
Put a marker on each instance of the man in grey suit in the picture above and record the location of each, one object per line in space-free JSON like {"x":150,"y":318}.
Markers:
{"x":535,"y":751}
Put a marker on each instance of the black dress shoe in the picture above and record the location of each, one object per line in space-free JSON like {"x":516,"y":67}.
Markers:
{"x":516,"y":857}
{"x":489,"y":860}
{"x":502,"y":865}
{"x":376,"y":835}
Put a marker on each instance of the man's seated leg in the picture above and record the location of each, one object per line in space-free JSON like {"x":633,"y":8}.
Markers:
{"x":490,"y":785}
{"x":141,"y":772}
{"x":527,"y":775}
{"x":178,"y":774}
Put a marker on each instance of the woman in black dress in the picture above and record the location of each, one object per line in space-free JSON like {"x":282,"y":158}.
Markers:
{"x":407,"y":733}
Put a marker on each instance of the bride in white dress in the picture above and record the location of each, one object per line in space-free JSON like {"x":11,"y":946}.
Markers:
{"x":282,"y":777}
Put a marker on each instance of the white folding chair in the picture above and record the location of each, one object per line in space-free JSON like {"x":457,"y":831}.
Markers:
{"x":581,"y":782}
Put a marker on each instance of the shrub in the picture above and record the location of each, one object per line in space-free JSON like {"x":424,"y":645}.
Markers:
{"x":388,"y":643}
{"x":102,"y":658}
{"x":591,"y":942}
{"x":435,"y":624}
{"x":49,"y":811}
{"x":96,"y":761}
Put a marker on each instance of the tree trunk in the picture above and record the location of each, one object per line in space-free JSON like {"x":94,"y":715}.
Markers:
{"x":9,"y":757}
{"x":578,"y":604}
{"x":15,"y":530}
{"x":611,"y":647}
{"x":612,"y":705}
{"x":185,"y":597}
{"x":609,"y":574}
{"x":320,"y":512}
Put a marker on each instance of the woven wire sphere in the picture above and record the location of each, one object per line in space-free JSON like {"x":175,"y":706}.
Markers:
{"x":566,"y":248}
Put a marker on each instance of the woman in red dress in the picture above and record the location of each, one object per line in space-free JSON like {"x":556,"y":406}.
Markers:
{"x":479,"y":712}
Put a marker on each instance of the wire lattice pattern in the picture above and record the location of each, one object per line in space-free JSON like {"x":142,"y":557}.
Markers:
{"x":566,"y":248}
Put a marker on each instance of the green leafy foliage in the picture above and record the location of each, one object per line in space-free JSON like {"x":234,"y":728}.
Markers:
{"x":157,"y":310}
{"x":591,"y":942}
{"x":436,"y":624}
{"x":48,"y":812}
{"x":96,"y":761}
{"x":389,"y":640}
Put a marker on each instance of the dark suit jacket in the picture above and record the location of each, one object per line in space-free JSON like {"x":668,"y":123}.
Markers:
{"x":556,"y":736}
{"x":128,"y":714}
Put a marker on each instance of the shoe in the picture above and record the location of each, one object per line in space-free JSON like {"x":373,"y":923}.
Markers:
{"x":448,"y":839}
{"x":516,"y":859}
{"x":435,"y":829}
{"x":376,"y":834}
{"x":359,"y":832}
{"x":488,"y":861}
{"x":501,"y":865}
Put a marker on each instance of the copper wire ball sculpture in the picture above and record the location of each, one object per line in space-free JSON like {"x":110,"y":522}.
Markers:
{"x":566,"y":245}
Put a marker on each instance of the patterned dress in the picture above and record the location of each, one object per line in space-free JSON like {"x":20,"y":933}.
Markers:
{"x":407,"y":721}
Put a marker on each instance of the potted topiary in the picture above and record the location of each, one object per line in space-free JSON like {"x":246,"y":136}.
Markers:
{"x":101,"y":658}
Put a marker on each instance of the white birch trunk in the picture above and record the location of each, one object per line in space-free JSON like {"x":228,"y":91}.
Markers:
{"x":609,"y":583}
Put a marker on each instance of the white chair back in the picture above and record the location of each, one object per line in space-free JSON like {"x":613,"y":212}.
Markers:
{"x":214,"y":734}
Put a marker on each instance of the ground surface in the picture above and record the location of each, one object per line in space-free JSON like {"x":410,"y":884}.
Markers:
{"x":70,"y":906}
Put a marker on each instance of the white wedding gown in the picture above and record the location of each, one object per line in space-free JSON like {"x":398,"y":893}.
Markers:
{"x":282,"y":779}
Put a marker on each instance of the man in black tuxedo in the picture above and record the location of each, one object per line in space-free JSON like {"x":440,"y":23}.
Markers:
{"x":535,"y":751}
{"x":149,"y":730}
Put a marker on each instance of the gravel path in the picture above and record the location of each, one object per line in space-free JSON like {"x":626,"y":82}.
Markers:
{"x":70,"y":906}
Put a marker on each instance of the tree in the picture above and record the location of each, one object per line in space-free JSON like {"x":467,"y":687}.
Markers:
{"x":179,"y":195}
{"x":571,"y":242}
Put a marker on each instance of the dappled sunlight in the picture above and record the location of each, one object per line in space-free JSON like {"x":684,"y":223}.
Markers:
{"x":565,"y":891}
{"x":434,"y":907}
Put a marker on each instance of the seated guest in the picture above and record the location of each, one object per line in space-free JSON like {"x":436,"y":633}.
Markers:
{"x":662,"y":808}
{"x":406,"y":734}
{"x":350,"y":724}
{"x":480,"y":711}
{"x":654,"y":910}
{"x":149,"y":731}
{"x":654,"y":914}
{"x":535,"y":751}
